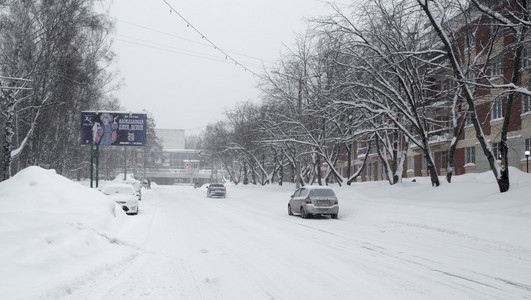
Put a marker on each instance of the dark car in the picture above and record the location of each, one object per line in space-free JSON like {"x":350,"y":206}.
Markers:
{"x":216,"y":190}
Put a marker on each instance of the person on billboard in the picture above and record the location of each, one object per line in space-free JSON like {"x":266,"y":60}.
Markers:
{"x":105,"y":134}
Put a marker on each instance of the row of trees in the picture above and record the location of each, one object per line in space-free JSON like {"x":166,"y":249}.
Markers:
{"x":383,"y":72}
{"x":54,"y":63}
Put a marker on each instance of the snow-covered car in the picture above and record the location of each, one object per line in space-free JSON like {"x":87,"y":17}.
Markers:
{"x":314,"y":200}
{"x":216,"y":190}
{"x":137,"y":185}
{"x":125,"y":195}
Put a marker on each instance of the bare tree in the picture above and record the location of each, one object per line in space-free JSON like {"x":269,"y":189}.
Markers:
{"x":391,"y":67}
{"x":62,"y":47}
{"x":505,"y":15}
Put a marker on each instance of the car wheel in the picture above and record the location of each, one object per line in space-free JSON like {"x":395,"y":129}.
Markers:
{"x":304,"y":214}
{"x":334,"y":216}
{"x":289,"y":210}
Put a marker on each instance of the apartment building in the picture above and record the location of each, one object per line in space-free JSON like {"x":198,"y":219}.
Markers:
{"x":492,"y":49}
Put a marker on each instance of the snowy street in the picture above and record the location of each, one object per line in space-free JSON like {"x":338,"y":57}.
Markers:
{"x":390,"y":242}
{"x":247,"y":247}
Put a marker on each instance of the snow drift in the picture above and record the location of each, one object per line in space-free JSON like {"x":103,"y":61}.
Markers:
{"x":48,"y":224}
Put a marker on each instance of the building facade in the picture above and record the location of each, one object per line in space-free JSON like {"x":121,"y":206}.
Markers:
{"x":491,"y":99}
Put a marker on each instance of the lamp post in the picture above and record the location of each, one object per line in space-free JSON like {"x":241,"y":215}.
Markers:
{"x":527,"y":159}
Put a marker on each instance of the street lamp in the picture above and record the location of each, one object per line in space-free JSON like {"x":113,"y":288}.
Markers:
{"x":527,"y":159}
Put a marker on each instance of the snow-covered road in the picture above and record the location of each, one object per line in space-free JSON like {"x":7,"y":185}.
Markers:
{"x":187,"y":246}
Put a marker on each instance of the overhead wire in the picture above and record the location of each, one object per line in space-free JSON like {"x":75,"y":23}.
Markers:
{"x":169,"y":50}
{"x":204,"y":37}
{"x":190,"y":40}
{"x":148,"y":44}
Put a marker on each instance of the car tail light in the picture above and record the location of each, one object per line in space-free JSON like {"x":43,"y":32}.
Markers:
{"x":224,"y":189}
{"x":336,"y":202}
{"x":308,"y":200}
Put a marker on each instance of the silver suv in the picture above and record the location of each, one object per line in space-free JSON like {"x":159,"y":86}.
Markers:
{"x":314,"y":200}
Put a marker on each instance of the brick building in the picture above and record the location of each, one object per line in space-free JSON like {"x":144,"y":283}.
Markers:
{"x":493,"y":71}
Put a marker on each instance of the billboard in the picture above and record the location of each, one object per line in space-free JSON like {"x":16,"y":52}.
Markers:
{"x":113,"y":128}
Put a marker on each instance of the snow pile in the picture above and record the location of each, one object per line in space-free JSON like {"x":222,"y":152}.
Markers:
{"x":471,"y":205}
{"x":49,"y":224}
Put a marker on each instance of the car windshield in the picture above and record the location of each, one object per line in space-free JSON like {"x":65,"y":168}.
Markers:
{"x":216,"y":185}
{"x":322,"y":193}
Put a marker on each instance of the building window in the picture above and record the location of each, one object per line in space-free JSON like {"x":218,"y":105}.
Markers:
{"x":496,"y":150}
{"x":370,"y":169}
{"x":496,"y":68}
{"x":526,"y":55}
{"x":411,"y":163}
{"x":470,"y":38}
{"x":470,"y":155}
{"x":526,"y":103}
{"x":497,"y":109}
{"x":448,"y":85}
{"x":468,"y":118}
{"x":444,"y":160}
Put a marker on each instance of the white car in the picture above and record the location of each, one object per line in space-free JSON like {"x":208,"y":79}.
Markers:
{"x":123,"y":194}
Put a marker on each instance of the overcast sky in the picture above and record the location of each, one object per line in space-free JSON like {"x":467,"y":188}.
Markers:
{"x":168,"y":69}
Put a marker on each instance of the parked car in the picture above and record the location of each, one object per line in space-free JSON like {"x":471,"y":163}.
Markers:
{"x":310,"y":200}
{"x":216,"y":190}
{"x":125,"y":195}
{"x":137,"y":185}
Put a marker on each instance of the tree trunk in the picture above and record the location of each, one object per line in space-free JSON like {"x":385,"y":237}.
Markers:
{"x":395,"y":157}
{"x":358,"y":173}
{"x":318,"y":169}
{"x":8,"y":138}
{"x":430,"y":164}
{"x":451,"y":152}
{"x":349,"y":160}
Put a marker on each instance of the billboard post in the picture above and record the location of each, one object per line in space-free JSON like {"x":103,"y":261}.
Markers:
{"x":91,"y":164}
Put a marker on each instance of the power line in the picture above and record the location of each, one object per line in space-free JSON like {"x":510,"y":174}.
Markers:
{"x":144,"y":43}
{"x":170,"y":50}
{"x":227,"y":56}
{"x":191,"y":41}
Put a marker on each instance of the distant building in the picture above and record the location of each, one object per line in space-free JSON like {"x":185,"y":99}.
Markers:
{"x":177,"y":165}
{"x":171,"y":138}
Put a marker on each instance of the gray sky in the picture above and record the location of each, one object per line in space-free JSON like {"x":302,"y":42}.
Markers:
{"x":168,"y":69}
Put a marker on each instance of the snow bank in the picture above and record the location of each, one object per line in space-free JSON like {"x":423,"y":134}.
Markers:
{"x":50,"y":227}
{"x":471,"y":205}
